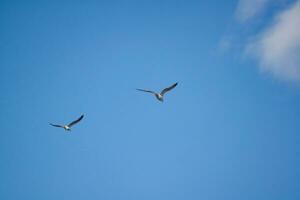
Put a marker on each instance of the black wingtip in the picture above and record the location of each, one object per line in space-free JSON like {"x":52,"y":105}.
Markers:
{"x":175,"y":84}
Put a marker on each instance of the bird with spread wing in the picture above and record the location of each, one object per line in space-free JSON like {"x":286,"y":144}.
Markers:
{"x":68,"y":127}
{"x":160,"y":95}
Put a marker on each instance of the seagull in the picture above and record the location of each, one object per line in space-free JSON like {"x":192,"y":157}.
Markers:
{"x":160,"y":96}
{"x":68,"y":127}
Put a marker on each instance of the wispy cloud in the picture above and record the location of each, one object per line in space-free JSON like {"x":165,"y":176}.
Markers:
{"x":247,"y":9}
{"x":278,"y":46}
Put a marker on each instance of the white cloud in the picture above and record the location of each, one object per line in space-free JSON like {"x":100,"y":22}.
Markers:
{"x":278,"y":47}
{"x":247,"y":9}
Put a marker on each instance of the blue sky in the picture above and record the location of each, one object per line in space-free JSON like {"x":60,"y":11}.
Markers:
{"x":228,"y":131}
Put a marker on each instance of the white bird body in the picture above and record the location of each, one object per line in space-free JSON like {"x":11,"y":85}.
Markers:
{"x":67,"y":128}
{"x":159,"y":97}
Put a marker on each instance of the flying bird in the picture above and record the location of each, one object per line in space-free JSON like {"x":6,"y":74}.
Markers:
{"x":68,"y":127}
{"x":160,"y":96}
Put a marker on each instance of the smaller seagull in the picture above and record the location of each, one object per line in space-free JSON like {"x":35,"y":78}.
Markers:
{"x":68,"y":127}
{"x":160,"y":96}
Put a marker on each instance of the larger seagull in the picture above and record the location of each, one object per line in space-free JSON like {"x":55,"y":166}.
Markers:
{"x":160,"y":95}
{"x":68,"y":127}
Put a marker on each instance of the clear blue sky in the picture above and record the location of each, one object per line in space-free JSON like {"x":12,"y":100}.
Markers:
{"x":227,"y":132}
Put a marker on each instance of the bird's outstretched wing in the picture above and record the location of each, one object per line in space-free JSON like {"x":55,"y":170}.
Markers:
{"x":168,"y":89}
{"x":56,"y":125}
{"x":76,"y":121}
{"x":146,"y":91}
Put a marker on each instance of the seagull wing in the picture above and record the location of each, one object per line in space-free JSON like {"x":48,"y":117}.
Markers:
{"x":76,"y":121}
{"x":56,"y":125}
{"x":146,"y":91}
{"x":168,"y":89}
